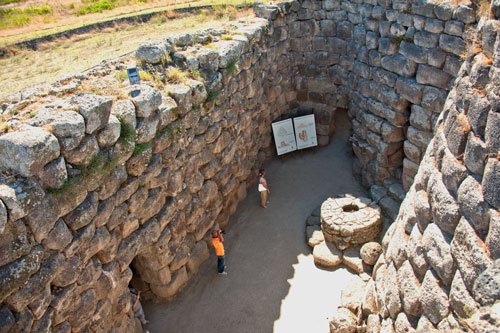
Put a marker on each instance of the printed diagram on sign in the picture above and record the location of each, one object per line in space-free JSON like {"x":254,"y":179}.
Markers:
{"x":284,"y":136}
{"x":305,"y":130}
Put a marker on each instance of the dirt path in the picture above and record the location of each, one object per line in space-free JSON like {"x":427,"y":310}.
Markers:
{"x":272,"y":283}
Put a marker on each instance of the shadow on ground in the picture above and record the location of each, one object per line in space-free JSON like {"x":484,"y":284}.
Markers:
{"x":273,"y":284}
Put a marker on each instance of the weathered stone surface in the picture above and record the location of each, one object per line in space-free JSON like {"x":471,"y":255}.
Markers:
{"x":14,"y":242}
{"x":370,"y":252}
{"x":113,"y":183}
{"x":67,"y":126}
{"x":469,"y":252}
{"x":84,"y":213}
{"x":36,"y":284}
{"x":146,"y":99}
{"x":80,"y":240}
{"x":84,"y":153}
{"x":437,"y":251}
{"x":351,"y":258}
{"x":326,"y":254}
{"x":351,"y":296}
{"x":410,"y":290}
{"x":445,"y":210}
{"x":94,"y":109}
{"x":486,"y":288}
{"x":475,"y":154}
{"x":110,"y":133}
{"x":473,"y":206}
{"x":27,"y":151}
{"x":139,"y":161}
{"x":391,"y":291}
{"x":7,"y":319}
{"x":373,"y":324}
{"x":146,"y":128}
{"x":493,"y":238}
{"x":343,"y":321}
{"x":434,"y":299}
{"x":198,"y":254}
{"x":59,"y":237}
{"x":179,"y":279}
{"x":491,"y":182}
{"x":124,"y":110}
{"x":461,"y":300}
{"x":153,"y":52}
{"x":415,"y":252}
{"x":130,"y":246}
{"x":314,"y":235}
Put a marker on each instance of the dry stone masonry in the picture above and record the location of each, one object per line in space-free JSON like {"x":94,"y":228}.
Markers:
{"x":103,"y":184}
{"x":350,"y":221}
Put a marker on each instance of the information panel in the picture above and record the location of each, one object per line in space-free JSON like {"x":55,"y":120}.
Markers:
{"x":284,"y":136}
{"x":305,"y":131}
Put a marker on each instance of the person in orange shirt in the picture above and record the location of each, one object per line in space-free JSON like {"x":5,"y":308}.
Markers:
{"x":217,"y":240}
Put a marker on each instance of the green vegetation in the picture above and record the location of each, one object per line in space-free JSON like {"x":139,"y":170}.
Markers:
{"x":139,"y":148}
{"x":227,"y":37}
{"x":127,"y":133}
{"x":15,"y":17}
{"x":212,"y":95}
{"x":176,"y":75}
{"x":397,"y":40}
{"x":6,"y":2}
{"x":97,"y":7}
{"x":232,"y":66}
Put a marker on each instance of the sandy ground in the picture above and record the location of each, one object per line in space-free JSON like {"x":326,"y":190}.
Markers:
{"x":272,"y":283}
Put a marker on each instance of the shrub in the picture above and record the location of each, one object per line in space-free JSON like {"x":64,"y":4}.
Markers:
{"x":177,"y":75}
{"x":97,"y":7}
{"x":232,"y":66}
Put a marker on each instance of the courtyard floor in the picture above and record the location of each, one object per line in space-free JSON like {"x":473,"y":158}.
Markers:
{"x":272,"y":283}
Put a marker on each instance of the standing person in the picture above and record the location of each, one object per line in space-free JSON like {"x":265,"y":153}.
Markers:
{"x":217,"y":240}
{"x":263,"y":189}
{"x":137,"y":307}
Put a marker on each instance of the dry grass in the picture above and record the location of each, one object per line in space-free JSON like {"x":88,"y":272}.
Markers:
{"x":63,"y":15}
{"x":463,"y":122}
{"x":74,"y":55}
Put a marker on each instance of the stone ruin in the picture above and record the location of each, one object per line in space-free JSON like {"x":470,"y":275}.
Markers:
{"x":350,"y":221}
{"x":99,"y":177}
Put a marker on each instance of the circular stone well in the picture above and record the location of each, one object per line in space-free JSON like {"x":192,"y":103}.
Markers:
{"x":350,"y":221}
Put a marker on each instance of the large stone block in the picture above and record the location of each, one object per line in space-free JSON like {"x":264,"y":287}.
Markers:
{"x":94,"y":109}
{"x":473,"y":206}
{"x":437,"y":251}
{"x":433,"y":76}
{"x":445,"y":210}
{"x":413,"y":52}
{"x":461,"y":300}
{"x":84,"y":213}
{"x":14,"y":242}
{"x":486,"y":288}
{"x":179,"y":280}
{"x":153,"y":52}
{"x":493,"y":239}
{"x":491,"y":182}
{"x":399,"y":65}
{"x":470,"y":253}
{"x":68,"y":126}
{"x":27,"y":151}
{"x":410,"y":290}
{"x":434,"y":299}
{"x":410,"y":90}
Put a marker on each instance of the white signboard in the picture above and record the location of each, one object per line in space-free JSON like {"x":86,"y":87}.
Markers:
{"x":284,"y":136}
{"x":305,"y":131}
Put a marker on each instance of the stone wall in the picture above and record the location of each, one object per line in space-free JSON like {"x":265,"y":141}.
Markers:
{"x":440,"y":264}
{"x":98,"y":175}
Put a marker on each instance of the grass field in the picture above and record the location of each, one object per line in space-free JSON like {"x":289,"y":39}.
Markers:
{"x":78,"y":53}
{"x":26,"y":19}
